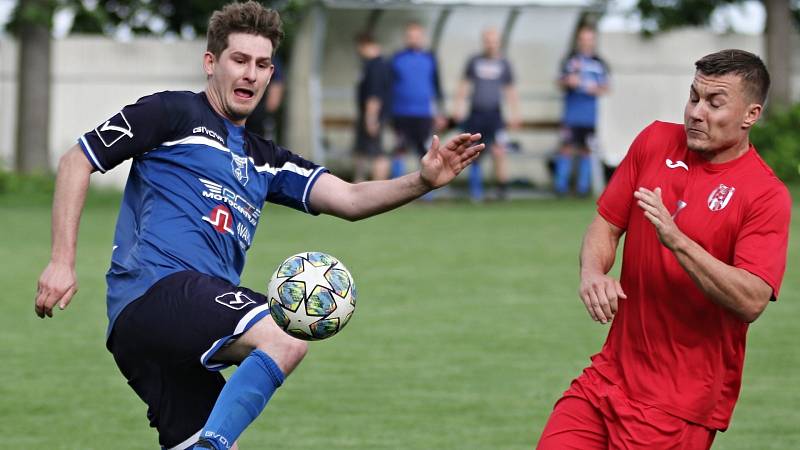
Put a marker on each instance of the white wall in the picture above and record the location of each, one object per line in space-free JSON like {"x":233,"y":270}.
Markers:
{"x":92,"y":78}
{"x":651,"y":78}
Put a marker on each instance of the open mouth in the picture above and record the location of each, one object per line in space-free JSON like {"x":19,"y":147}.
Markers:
{"x":243,"y":93}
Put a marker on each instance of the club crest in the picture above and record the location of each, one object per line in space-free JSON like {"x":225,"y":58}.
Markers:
{"x":239,"y":167}
{"x":720,"y":197}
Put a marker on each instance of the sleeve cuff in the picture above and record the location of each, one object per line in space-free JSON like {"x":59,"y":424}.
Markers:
{"x":87,"y":150}
{"x":310,"y":185}
{"x":611,"y":218}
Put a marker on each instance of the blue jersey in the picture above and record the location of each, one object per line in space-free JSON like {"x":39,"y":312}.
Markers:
{"x":195,"y":190}
{"x":580,"y":107}
{"x":415,"y":84}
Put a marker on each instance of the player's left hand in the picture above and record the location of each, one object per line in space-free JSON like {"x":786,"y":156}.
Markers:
{"x":654,"y":210}
{"x":443,"y":163}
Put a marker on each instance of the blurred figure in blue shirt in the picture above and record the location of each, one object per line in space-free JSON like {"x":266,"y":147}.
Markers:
{"x":584,"y":77}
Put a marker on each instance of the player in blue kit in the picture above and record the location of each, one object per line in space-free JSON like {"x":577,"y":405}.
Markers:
{"x":584,"y":77}
{"x":416,"y":96}
{"x":193,"y":199}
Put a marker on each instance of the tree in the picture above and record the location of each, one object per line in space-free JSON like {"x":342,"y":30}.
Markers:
{"x":662,"y":15}
{"x":32,"y":24}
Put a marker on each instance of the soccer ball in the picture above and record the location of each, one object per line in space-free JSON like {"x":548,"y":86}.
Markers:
{"x":311,"y":296}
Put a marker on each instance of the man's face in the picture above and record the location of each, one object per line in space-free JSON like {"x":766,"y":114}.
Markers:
{"x":491,"y":41}
{"x":238,"y":78}
{"x":586,"y":41}
{"x":415,"y":37}
{"x":718,"y":114}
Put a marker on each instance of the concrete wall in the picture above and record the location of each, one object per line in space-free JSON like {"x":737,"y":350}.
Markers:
{"x":651,"y":79}
{"x":93,"y":77}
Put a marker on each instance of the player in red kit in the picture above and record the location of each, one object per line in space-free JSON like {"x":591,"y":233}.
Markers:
{"x":706,"y":224}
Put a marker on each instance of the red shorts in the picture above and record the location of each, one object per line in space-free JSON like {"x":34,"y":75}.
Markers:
{"x":595,"y":414}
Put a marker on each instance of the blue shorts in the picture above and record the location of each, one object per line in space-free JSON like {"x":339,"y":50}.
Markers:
{"x":164,"y":343}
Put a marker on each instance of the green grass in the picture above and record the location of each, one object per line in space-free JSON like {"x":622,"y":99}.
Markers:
{"x":467,"y":330}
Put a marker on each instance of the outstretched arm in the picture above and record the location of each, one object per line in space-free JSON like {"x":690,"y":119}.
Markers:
{"x":735,"y":289}
{"x":334,"y":196}
{"x":58,"y":282}
{"x":599,"y":292}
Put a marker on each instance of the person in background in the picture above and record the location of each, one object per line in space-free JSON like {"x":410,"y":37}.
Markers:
{"x":584,"y":77}
{"x":264,"y":120}
{"x":372,"y":93}
{"x":490,"y":78}
{"x":416,"y":97}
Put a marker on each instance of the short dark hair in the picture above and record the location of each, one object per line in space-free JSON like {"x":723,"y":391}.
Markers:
{"x":747,"y":66}
{"x":249,"y":18}
{"x":365,"y":37}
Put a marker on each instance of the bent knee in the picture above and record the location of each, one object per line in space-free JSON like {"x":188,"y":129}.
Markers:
{"x":295,"y":349}
{"x":285,"y":350}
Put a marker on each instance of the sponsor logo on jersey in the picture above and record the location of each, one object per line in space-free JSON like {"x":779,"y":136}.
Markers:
{"x":245,"y":235}
{"x":720,"y":197}
{"x":207,"y":132}
{"x":239,"y":167}
{"x":114,"y":129}
{"x":221,"y":219}
{"x":676,"y":164}
{"x":222,"y":194}
{"x":234,"y":300}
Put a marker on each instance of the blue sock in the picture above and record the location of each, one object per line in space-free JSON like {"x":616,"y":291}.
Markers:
{"x":242,"y":399}
{"x":563,"y":173}
{"x":584,"y":174}
{"x":398,"y":166}
{"x":475,"y":181}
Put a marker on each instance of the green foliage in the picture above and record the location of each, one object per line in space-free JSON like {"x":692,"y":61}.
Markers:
{"x":664,"y":15}
{"x":33,"y":13}
{"x":15,"y":188}
{"x":777,"y":139}
{"x":162,"y":17}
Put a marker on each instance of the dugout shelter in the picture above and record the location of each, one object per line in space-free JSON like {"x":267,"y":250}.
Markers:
{"x":324,"y":67}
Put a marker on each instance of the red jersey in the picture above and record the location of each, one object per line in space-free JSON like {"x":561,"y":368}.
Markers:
{"x":670,"y":346}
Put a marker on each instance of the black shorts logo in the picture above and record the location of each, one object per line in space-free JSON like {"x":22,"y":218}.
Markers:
{"x":234,"y":300}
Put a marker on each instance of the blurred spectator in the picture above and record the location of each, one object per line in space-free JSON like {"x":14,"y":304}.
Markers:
{"x":416,"y":93}
{"x":490,"y":77}
{"x":584,"y":77}
{"x":372,"y":93}
{"x":264,"y":119}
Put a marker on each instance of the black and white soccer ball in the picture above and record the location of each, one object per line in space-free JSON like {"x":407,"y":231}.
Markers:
{"x":311,"y":295}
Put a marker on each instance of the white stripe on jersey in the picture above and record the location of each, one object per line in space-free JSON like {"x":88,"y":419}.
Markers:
{"x":200,"y":140}
{"x":308,"y":184}
{"x":91,"y":153}
{"x":290,"y":166}
{"x":188,"y":443}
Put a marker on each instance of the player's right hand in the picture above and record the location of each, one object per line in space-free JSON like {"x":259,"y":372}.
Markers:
{"x":56,"y":286}
{"x":600,"y":294}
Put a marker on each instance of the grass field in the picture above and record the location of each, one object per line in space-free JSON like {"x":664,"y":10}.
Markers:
{"x":467,"y":330}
